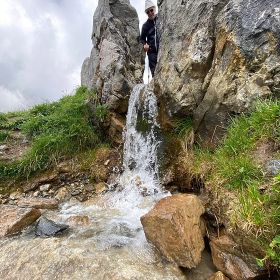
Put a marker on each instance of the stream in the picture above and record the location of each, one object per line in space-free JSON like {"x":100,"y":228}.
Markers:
{"x":106,"y":239}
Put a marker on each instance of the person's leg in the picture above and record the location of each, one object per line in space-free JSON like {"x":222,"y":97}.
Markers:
{"x":152,"y":62}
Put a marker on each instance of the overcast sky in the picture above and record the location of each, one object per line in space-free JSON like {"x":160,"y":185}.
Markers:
{"x":42,"y":47}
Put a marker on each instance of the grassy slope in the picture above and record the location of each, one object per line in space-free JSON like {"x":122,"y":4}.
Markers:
{"x":57,"y":131}
{"x":234,"y":166}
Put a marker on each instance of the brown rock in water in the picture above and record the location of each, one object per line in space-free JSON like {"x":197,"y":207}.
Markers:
{"x":218,"y":276}
{"x":78,"y":220}
{"x":14,"y":219}
{"x":62,"y":194}
{"x":38,"y":203}
{"x":173,"y":226}
{"x":100,"y":188}
{"x":229,"y":258}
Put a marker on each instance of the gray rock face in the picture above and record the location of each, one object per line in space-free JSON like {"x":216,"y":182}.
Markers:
{"x":116,"y":61}
{"x":216,"y":58}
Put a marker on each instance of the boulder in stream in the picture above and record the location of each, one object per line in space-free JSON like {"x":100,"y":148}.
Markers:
{"x":174,"y":227}
{"x":14,"y":219}
{"x":229,"y":258}
{"x":48,"y":228}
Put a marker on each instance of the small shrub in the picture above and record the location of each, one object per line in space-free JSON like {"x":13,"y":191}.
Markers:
{"x":272,"y":253}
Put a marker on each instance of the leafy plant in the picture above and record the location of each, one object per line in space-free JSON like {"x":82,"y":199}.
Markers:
{"x":101,"y":112}
{"x":272,"y":253}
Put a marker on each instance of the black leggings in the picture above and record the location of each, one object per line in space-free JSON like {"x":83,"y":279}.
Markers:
{"x":152,"y":62}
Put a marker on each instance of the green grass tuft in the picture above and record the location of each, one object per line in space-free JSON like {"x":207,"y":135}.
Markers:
{"x":234,"y":167}
{"x":57,"y":131}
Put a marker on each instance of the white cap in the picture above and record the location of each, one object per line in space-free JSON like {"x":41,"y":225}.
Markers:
{"x":149,"y":4}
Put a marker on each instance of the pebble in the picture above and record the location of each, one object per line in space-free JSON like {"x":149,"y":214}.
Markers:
{"x":45,"y":188}
{"x":3,"y":147}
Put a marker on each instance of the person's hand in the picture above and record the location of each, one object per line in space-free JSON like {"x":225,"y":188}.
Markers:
{"x":146,"y":47}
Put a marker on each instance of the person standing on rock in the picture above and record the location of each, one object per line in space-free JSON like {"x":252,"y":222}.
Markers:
{"x":149,"y":35}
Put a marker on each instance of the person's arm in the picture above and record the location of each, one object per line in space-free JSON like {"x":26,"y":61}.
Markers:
{"x":143,"y":37}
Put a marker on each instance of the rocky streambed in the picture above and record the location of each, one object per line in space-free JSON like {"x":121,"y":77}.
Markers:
{"x":102,"y":242}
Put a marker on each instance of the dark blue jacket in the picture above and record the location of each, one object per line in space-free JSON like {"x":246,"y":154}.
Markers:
{"x":150,"y":35}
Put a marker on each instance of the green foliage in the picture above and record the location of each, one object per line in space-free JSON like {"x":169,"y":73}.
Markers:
{"x":4,"y":135}
{"x":183,"y":126}
{"x":240,"y":171}
{"x":272,"y":253}
{"x":233,"y":166}
{"x":244,"y":132}
{"x":57,"y":130}
{"x":12,"y":120}
{"x":101,"y":112}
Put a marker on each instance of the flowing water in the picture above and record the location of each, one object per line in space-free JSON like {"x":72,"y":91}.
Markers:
{"x":110,"y":243}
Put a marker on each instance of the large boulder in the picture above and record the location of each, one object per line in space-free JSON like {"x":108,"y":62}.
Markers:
{"x":230,"y":258}
{"x":174,"y":227}
{"x":116,"y":61}
{"x":14,"y":219}
{"x":216,"y":58}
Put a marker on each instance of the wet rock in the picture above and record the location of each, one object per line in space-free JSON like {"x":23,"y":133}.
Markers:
{"x":100,"y":188}
{"x":78,"y":220}
{"x":38,"y":203}
{"x":218,"y":276}
{"x":173,"y":226}
{"x":76,"y":192}
{"x":230,"y":259}
{"x":14,"y":219}
{"x":273,"y":167}
{"x":45,"y":188}
{"x":3,"y":148}
{"x":62,"y":194}
{"x":117,"y":125}
{"x":16,"y":195}
{"x":48,"y":228}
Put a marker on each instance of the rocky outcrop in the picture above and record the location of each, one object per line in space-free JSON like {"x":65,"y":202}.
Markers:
{"x":174,"y":227}
{"x":216,"y":58}
{"x":230,"y":258}
{"x":14,"y":219}
{"x":115,"y":63}
{"x":38,"y":203}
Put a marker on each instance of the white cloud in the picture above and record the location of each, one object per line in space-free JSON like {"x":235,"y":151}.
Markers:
{"x":43,"y":45}
{"x":12,"y":100}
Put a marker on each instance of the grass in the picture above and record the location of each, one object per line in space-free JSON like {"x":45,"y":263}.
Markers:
{"x":57,"y":130}
{"x":233,"y":166}
{"x":4,"y":135}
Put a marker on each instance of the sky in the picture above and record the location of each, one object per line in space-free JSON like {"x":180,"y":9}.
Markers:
{"x":42,"y":47}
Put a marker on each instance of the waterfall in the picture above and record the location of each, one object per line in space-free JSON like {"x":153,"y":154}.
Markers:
{"x":140,"y":147}
{"x":139,"y":183}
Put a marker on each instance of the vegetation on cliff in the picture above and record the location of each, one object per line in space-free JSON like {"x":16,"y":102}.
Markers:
{"x":238,"y":166}
{"x":55,"y":131}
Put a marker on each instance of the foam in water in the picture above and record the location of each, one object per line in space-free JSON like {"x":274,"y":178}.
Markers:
{"x":116,"y":218}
